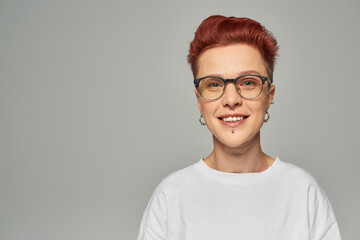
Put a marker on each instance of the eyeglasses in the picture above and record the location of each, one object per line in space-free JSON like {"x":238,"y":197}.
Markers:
{"x":248,"y":86}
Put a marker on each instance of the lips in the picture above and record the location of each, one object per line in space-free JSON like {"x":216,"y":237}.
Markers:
{"x":232,"y":117}
{"x":232,"y":120}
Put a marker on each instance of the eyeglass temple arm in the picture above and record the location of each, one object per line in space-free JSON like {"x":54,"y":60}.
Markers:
{"x":266,"y":79}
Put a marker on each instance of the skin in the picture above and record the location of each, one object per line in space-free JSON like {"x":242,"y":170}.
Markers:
{"x":238,"y":152}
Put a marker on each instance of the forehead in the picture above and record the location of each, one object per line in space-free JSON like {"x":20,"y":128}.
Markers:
{"x":230,"y":60}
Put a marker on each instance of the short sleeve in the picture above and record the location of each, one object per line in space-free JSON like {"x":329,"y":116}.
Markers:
{"x":154,"y":222}
{"x":333,"y":233}
{"x":322,"y":221}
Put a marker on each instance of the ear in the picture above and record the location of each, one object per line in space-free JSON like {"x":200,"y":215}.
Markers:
{"x":198,"y":99}
{"x":270,"y":96}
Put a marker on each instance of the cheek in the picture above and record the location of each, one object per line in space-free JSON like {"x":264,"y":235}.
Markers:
{"x":258,"y":109}
{"x":208,"y":109}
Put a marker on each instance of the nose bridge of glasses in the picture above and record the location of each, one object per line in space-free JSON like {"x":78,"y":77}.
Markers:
{"x":229,"y":80}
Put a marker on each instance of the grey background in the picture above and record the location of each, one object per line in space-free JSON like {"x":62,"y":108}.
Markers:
{"x":97,"y":106}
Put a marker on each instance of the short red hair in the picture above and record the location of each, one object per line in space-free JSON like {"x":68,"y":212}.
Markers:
{"x":218,"y":30}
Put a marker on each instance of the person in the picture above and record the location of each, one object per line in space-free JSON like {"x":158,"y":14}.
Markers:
{"x":237,"y":191}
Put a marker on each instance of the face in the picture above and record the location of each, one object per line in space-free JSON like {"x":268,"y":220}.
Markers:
{"x":232,"y":61}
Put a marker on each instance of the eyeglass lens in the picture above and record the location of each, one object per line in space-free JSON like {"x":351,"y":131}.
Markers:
{"x":246,"y":86}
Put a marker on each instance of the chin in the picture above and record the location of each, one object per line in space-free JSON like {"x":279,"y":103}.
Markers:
{"x":231,"y":141}
{"x":237,"y":139}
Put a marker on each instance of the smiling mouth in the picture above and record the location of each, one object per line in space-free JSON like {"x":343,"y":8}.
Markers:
{"x":233,"y":119}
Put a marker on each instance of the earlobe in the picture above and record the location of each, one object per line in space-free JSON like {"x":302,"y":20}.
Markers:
{"x":196,"y":93}
{"x":271,"y":94}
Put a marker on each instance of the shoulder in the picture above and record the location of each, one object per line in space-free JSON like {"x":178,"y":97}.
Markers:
{"x":319,"y":210}
{"x":298,"y":175}
{"x":300,"y":181}
{"x":156,"y":210}
{"x":178,"y":179}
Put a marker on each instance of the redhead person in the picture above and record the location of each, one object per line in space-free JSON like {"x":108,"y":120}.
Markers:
{"x":237,"y":191}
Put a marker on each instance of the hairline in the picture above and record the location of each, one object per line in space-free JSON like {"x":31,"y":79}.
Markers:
{"x":269,"y":70}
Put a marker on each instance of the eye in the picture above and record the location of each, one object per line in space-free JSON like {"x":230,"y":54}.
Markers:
{"x":211,"y":83}
{"x":248,"y":83}
{"x":214,"y":85}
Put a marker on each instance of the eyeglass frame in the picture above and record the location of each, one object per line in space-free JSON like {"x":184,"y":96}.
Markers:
{"x":263,"y":79}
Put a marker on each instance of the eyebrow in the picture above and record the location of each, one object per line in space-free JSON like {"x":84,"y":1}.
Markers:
{"x":239,"y":74}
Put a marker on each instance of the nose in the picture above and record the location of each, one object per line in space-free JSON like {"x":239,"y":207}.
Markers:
{"x":230,"y":96}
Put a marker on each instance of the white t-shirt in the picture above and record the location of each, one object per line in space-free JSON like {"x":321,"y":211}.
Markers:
{"x":201,"y":203}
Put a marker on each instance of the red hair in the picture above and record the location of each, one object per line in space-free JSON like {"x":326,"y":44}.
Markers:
{"x":218,"y":30}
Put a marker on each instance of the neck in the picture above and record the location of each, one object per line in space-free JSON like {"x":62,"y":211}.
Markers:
{"x":245,"y":159}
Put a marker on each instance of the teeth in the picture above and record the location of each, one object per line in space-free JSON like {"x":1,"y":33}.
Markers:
{"x":233,"y":119}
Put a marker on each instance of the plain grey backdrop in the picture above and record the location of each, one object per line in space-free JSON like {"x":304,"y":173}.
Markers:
{"x":97,"y":106}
